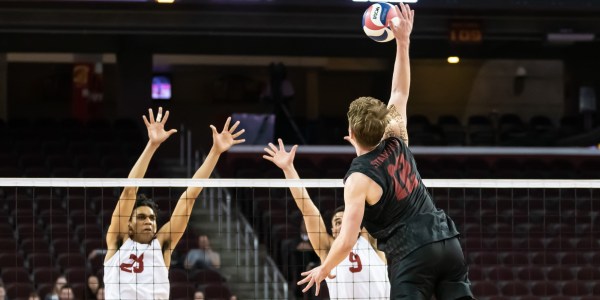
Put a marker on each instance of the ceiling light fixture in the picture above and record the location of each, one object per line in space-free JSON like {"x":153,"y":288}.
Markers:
{"x":453,"y":59}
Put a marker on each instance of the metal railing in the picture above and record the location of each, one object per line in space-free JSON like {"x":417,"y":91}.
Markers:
{"x":274,"y":276}
{"x":246,"y":244}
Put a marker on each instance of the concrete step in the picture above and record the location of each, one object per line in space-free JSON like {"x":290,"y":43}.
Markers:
{"x":254,"y":291}
{"x":233,"y":265}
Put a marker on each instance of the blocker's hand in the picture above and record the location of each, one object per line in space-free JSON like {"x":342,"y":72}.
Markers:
{"x":315,"y":277}
{"x":282,"y":159}
{"x":228,"y":137}
{"x":156,"y":127}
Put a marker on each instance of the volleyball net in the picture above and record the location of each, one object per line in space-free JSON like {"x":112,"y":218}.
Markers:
{"x":521,"y":238}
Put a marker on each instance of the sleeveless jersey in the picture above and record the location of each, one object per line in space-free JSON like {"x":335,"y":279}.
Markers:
{"x":137,"y":271}
{"x":362,"y":275}
{"x":405,"y":218}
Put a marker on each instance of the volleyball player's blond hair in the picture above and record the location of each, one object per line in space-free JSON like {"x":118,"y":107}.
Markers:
{"x":368,"y":118}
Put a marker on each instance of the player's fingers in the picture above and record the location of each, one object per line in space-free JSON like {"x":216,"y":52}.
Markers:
{"x":308,"y":286}
{"x":398,"y":9}
{"x":293,"y":151}
{"x":166,"y":117}
{"x":269,"y":151}
{"x":159,"y":115}
{"x":406,"y":11}
{"x":232,"y":129}
{"x":305,"y":279}
{"x":273,"y":147}
{"x":151,"y":114}
{"x":227,"y":124}
{"x":269,"y":158}
{"x":281,"y":146}
{"x":235,"y":142}
{"x":235,"y":135}
{"x":146,"y":121}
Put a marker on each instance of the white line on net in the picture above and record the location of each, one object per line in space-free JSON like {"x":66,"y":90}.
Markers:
{"x":284,"y":183}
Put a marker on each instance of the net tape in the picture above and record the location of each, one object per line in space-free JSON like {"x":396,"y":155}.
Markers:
{"x":285,"y":183}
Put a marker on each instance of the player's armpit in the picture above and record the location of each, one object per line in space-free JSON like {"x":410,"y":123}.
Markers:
{"x":397,"y":125}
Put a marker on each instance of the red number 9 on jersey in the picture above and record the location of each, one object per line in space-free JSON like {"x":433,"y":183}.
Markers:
{"x":354,"y":258}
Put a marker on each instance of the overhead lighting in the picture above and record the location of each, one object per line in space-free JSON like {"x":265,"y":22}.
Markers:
{"x":165,"y":1}
{"x":453,"y":59}
{"x":395,"y":1}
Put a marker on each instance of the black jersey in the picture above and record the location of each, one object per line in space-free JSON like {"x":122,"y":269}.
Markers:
{"x":405,"y":218}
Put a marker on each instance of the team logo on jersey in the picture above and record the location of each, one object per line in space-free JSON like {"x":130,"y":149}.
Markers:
{"x":136,"y":265}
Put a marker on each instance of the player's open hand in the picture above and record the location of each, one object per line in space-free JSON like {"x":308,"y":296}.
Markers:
{"x":282,"y":159}
{"x":223,"y":140}
{"x":156,"y":127}
{"x":402,"y":25}
{"x":314,"y":277}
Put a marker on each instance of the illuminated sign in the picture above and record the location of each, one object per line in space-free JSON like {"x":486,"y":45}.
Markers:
{"x":466,"y":32}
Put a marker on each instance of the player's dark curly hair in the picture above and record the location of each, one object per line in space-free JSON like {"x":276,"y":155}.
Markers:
{"x":338,"y":209}
{"x":142,"y":200}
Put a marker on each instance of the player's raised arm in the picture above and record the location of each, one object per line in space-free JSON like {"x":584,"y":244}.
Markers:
{"x":118,"y":229}
{"x":402,"y":27}
{"x":170,"y":233}
{"x":315,"y":226}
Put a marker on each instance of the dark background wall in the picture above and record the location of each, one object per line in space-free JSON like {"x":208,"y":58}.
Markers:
{"x":513,"y":33}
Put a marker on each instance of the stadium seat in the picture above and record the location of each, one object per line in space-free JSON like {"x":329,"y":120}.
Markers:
{"x":45,"y":275}
{"x":217,"y":292}
{"x":184,"y":290}
{"x":19,"y":290}
{"x":514,"y":288}
{"x":484,"y":288}
{"x":575,"y":288}
{"x":530,"y":273}
{"x":206,"y":276}
{"x":544,"y":288}
{"x":500,"y":273}
{"x":14,"y":275}
{"x":178,"y":276}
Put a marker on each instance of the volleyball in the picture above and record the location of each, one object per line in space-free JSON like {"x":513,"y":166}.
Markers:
{"x":376,"y":22}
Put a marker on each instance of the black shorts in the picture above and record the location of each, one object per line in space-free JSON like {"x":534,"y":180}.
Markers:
{"x":436,"y":269}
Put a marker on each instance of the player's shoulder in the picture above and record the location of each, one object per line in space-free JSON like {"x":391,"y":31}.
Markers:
{"x":397,"y":124}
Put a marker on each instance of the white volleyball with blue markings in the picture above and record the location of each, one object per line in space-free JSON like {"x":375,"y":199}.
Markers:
{"x":376,"y":21}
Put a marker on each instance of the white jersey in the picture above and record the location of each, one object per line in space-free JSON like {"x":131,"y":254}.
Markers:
{"x":361,"y":275}
{"x":136,"y":271}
